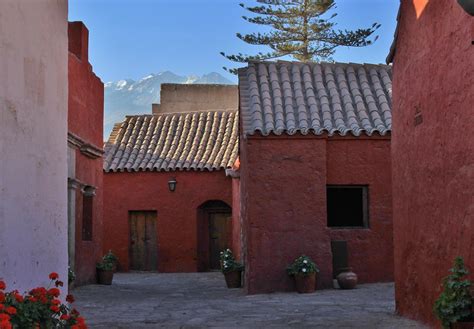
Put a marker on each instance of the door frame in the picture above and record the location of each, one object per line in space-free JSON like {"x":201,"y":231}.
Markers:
{"x":203,"y":239}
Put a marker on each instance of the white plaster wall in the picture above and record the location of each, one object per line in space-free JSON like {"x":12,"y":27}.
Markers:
{"x":33,"y":141}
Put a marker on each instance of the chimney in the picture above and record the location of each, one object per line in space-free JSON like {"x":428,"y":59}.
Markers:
{"x":78,"y":35}
{"x":155,"y":108}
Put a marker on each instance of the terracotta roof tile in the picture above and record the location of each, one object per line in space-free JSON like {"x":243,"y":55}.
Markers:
{"x":290,"y":97}
{"x":174,"y":141}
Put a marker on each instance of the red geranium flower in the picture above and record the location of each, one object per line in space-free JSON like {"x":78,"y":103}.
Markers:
{"x":56,"y":302}
{"x":6,"y":325}
{"x":2,"y":297}
{"x":10,"y":310}
{"x":54,"y":292}
{"x":2,"y":307}
{"x":2,"y":285}
{"x":54,"y":308}
{"x":4,"y":317}
{"x":70,"y":298}
{"x":53,"y":275}
{"x":58,"y":283}
{"x":32,"y":299}
{"x":65,"y":317}
{"x":19,"y":298}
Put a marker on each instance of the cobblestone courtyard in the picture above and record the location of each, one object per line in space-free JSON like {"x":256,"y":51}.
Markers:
{"x":196,"y":300}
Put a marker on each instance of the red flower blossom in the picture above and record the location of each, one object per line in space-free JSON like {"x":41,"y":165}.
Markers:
{"x":2,"y":297}
{"x":5,"y":325}
{"x":32,"y":299}
{"x":2,"y":307}
{"x":75,"y":312}
{"x":53,"y":275}
{"x":10,"y":310}
{"x":4,"y":317}
{"x":58,"y":283}
{"x":65,"y":317}
{"x":2,"y":285}
{"x":54,"y":308}
{"x":56,"y":302}
{"x":70,"y":299}
{"x":54,"y":292}
{"x":19,"y":298}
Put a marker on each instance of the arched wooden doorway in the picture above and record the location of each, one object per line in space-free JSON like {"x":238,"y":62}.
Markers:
{"x":214,"y":233}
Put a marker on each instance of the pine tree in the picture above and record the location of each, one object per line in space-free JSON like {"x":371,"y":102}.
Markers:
{"x":299,"y":28}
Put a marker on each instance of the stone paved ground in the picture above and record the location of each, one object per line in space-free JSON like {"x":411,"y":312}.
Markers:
{"x":196,"y":300}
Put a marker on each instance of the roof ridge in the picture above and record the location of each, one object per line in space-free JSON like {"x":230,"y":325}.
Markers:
{"x":315,"y":63}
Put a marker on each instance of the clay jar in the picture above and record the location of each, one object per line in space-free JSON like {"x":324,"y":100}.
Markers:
{"x":347,"y":279}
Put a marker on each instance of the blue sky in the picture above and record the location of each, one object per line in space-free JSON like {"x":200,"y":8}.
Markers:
{"x":132,"y":38}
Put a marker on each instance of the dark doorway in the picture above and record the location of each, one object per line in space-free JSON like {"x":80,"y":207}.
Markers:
{"x":214,"y":233}
{"x":143,"y":241}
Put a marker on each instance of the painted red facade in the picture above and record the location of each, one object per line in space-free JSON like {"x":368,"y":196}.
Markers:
{"x":181,"y":245}
{"x":85,"y":126}
{"x":283,"y":198}
{"x":432,"y":150}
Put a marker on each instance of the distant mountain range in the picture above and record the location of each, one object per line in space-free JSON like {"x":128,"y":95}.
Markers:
{"x":128,"y":97}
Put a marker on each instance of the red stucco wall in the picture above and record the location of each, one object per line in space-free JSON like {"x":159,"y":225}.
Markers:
{"x":177,"y":212}
{"x":85,"y":120}
{"x":433,"y":161}
{"x":284,"y":214}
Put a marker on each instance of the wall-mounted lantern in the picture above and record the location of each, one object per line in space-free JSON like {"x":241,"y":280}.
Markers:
{"x":172,"y":184}
{"x":468,"y":6}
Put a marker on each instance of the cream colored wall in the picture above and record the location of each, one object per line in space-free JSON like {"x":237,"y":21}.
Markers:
{"x":177,"y":98}
{"x":33,"y":141}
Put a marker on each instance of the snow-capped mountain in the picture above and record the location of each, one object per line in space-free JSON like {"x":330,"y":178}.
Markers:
{"x":128,"y":97}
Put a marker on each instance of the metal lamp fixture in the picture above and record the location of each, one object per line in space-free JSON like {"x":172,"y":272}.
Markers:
{"x":172,"y":184}
{"x":467,"y":5}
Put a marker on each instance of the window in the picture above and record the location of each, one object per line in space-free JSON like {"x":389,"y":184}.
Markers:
{"x":347,"y":206}
{"x":87,"y":211}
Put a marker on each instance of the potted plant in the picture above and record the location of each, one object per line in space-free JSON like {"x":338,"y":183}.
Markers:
{"x":105,"y":272}
{"x":231,"y":269}
{"x":111,"y":258}
{"x":454,"y":305}
{"x":304,"y":270}
{"x":71,"y":277}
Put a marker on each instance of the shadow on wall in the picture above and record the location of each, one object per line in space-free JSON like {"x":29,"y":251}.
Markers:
{"x":214,"y":233}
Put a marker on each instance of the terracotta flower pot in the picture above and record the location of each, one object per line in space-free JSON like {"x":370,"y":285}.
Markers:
{"x":105,"y":277}
{"x":347,"y":279}
{"x":305,"y":283}
{"x":233,"y":279}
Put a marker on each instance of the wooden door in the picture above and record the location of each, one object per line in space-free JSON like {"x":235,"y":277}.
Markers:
{"x":143,"y":241}
{"x":219,"y":236}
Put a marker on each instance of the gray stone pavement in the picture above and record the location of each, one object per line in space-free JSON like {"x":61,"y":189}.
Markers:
{"x":197,"y":300}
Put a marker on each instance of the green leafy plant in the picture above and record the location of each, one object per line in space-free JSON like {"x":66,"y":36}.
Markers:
{"x":38,"y":308}
{"x":105,"y":266}
{"x":455,"y":302}
{"x":302,"y":265}
{"x":228,"y":263}
{"x":71,"y":276}
{"x":110,"y":257}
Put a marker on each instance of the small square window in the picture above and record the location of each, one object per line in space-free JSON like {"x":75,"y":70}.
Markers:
{"x":347,"y":206}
